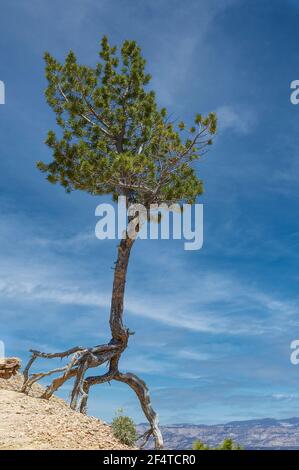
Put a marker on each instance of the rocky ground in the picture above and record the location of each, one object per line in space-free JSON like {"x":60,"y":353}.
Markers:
{"x":29,"y":422}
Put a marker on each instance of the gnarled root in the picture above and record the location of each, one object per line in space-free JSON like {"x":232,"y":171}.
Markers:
{"x":142,"y":392}
{"x":83,"y":359}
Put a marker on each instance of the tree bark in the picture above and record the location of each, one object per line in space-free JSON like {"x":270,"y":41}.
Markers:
{"x":142,"y":392}
{"x":119,"y":333}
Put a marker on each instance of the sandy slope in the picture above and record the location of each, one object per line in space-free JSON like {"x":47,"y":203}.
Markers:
{"x":29,"y":422}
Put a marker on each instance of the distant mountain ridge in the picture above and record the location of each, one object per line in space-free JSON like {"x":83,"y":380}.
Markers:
{"x":266,"y":433}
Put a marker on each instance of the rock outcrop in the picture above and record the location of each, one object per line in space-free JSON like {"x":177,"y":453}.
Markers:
{"x":9,"y":366}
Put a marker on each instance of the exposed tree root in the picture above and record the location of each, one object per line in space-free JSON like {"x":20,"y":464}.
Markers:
{"x":141,"y":390}
{"x":83,"y":359}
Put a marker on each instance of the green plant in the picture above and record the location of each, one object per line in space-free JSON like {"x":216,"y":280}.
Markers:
{"x":124,"y":429}
{"x":227,"y":444}
{"x":199,"y":445}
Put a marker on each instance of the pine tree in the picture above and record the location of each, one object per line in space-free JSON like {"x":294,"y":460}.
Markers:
{"x":114,"y":139}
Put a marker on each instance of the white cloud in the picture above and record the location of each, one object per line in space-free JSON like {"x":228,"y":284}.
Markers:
{"x":285,"y":396}
{"x":215,"y":311}
{"x":240,"y":120}
{"x":193,"y":355}
{"x":174,"y":67}
{"x":189,"y":376}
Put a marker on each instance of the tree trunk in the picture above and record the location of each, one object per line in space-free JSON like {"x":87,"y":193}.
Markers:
{"x":119,"y":333}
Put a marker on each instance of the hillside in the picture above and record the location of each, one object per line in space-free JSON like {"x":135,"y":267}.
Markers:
{"x":29,"y":422}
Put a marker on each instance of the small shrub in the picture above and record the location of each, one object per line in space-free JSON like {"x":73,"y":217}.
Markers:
{"x":199,"y":445}
{"x":227,"y":444}
{"x":124,"y":429}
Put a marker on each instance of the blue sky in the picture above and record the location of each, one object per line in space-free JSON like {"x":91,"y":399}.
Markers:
{"x":213,"y":327}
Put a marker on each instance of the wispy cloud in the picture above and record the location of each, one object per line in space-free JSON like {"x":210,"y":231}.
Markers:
{"x":241,"y":120}
{"x":193,"y":355}
{"x":221,"y":300}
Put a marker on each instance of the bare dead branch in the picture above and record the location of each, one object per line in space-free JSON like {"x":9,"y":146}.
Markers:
{"x":142,"y":392}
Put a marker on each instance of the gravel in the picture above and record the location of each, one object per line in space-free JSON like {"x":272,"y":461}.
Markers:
{"x":30,"y":422}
